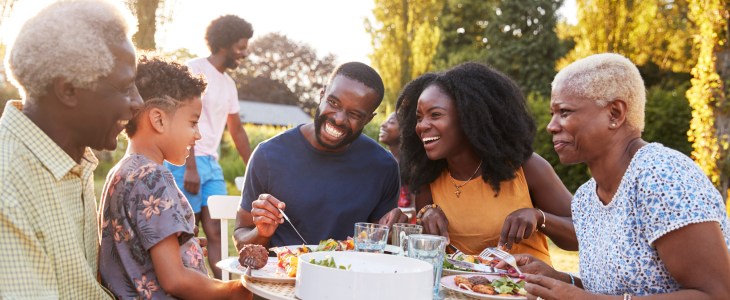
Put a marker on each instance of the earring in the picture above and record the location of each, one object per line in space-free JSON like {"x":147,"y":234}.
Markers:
{"x":613,"y":125}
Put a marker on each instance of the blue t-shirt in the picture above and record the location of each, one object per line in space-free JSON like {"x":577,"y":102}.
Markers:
{"x":325,"y":193}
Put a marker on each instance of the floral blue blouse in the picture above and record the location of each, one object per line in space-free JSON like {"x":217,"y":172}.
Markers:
{"x":662,"y":190}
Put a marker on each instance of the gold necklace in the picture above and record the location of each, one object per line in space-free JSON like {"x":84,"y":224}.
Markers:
{"x":467,"y":181}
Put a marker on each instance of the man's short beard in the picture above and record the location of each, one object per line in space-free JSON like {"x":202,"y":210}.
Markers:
{"x":230,"y":63}
{"x":319,"y":122}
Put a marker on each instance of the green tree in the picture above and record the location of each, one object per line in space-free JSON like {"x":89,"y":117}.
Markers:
{"x":516,"y":37}
{"x":281,"y":70}
{"x":710,"y":126}
{"x":404,"y":38}
{"x":150,"y":14}
{"x":653,"y":30}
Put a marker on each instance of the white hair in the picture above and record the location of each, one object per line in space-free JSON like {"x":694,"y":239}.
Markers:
{"x":604,"y":78}
{"x":71,"y":39}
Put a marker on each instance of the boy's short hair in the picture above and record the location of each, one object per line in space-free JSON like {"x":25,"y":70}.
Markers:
{"x":165,"y":84}
{"x":226,"y":30}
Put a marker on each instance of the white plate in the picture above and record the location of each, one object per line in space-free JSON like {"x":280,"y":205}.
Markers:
{"x":449,"y":272}
{"x":448,"y":282}
{"x":270,"y":272}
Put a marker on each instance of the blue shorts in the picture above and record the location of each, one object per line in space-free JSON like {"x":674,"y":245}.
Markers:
{"x":211,"y":181}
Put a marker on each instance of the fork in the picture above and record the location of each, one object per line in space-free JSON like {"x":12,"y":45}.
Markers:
{"x":486,"y":253}
{"x":456,"y":251}
{"x":248,"y":262}
{"x":504,"y":256}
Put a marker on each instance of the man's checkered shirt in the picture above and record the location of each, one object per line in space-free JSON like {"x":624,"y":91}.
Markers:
{"x":49,"y":241}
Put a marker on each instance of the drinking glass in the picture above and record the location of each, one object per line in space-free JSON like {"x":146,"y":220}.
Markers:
{"x":370,"y":237}
{"x":431,"y":249}
{"x":401,"y":231}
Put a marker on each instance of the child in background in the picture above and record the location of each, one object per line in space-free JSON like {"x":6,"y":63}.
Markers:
{"x":148,"y":247}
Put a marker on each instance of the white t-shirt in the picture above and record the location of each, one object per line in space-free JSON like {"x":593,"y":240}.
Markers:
{"x":220,"y":100}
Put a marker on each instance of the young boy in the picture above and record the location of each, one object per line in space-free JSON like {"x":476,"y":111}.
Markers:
{"x":148,"y":248}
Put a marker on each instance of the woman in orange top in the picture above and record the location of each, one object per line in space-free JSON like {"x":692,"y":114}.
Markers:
{"x":467,"y":143}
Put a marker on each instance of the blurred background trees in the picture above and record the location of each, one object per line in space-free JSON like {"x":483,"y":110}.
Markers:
{"x":281,"y":70}
{"x":527,"y":41}
{"x":404,"y":36}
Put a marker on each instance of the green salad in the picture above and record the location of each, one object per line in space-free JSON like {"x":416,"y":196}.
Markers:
{"x":330,"y":263}
{"x":506,"y":285}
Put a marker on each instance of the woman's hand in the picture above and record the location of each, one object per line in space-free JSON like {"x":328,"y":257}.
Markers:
{"x":548,"y":288}
{"x":529,"y":264}
{"x":434,"y":222}
{"x":520,"y":224}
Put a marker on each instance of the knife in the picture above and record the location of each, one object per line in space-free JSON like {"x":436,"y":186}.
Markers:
{"x":476,"y":267}
{"x":292,"y":225}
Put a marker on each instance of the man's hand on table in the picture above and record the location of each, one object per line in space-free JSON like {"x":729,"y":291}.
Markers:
{"x":265,"y":215}
{"x":392,"y":217}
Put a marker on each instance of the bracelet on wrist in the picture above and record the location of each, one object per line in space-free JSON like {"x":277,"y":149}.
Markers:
{"x":544,"y":220}
{"x":423,"y":211}
{"x":571,"y":278}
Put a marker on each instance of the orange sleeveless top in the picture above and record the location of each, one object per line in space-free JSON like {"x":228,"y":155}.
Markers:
{"x":476,"y":217}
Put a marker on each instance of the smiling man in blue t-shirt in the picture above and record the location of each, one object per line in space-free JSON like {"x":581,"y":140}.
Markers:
{"x":325,"y":175}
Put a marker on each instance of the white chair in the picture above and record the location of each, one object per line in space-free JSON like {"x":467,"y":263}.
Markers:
{"x":223,"y":208}
{"x":239,"y":182}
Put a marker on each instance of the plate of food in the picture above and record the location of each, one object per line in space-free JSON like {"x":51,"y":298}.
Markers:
{"x":283,"y":267}
{"x":265,"y":269}
{"x":486,"y":286}
{"x":450,"y":269}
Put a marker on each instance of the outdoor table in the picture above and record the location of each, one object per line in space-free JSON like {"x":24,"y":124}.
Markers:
{"x":285,"y":291}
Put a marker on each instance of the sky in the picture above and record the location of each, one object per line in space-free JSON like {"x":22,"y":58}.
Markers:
{"x":330,"y":26}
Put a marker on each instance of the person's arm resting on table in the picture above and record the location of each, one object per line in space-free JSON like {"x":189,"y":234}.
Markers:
{"x":186,"y":283}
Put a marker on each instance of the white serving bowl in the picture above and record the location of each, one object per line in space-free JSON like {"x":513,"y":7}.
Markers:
{"x":371,"y":276}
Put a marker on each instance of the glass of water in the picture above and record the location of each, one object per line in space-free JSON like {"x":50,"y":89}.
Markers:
{"x":401,"y":231}
{"x":370,"y":237}
{"x":431,"y":249}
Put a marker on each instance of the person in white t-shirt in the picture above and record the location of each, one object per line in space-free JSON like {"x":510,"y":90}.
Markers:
{"x":202,"y":176}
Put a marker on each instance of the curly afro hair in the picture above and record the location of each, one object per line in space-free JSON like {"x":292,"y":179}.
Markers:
{"x":164,"y":84}
{"x":226,"y":30}
{"x":494,"y":117}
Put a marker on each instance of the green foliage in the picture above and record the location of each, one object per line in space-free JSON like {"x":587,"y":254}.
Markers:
{"x":517,"y":38}
{"x":667,"y":118}
{"x":462,"y":25}
{"x":284,"y":71}
{"x":404,"y":38}
{"x":650,"y":30}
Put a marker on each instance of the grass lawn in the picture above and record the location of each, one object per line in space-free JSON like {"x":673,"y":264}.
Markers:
{"x":562,"y":260}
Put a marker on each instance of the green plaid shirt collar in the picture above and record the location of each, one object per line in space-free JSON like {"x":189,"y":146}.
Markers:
{"x":46,"y":150}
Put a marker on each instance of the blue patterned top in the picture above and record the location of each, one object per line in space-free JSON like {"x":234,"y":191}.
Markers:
{"x":662,"y":190}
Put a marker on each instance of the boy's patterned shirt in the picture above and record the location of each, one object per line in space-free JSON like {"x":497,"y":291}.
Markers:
{"x":141,"y":206}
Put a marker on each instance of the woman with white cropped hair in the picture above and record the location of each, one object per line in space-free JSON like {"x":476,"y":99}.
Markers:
{"x":650,"y":224}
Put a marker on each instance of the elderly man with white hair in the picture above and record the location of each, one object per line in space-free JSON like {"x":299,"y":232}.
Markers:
{"x":650,"y":224}
{"x":76,"y":67}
